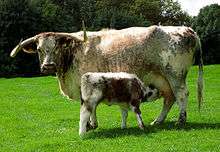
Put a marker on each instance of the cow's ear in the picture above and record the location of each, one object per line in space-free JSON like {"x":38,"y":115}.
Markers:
{"x":66,"y":41}
{"x":30,"y":48}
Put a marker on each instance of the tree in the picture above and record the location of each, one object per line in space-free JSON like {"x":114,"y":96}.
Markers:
{"x":87,"y":11}
{"x":69,"y":14}
{"x":149,"y":9}
{"x":207,"y":25}
{"x":57,"y":15}
{"x":172,"y":14}
{"x":117,"y":14}
{"x":19,"y":20}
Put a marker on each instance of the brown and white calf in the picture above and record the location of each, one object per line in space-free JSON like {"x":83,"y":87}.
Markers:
{"x":123,"y":89}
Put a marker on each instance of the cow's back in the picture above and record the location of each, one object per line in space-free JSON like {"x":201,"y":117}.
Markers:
{"x":137,"y":49}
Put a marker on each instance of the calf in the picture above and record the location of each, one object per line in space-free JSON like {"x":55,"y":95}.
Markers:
{"x":123,"y":89}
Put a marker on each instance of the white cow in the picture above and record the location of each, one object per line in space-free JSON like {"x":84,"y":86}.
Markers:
{"x":158,"y":55}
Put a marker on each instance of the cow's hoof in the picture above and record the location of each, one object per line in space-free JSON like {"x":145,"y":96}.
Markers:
{"x":123,"y":127}
{"x":182,"y":120}
{"x":156,"y":122}
{"x":180,"y":124}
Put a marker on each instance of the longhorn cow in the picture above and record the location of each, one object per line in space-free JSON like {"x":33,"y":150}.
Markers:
{"x":158,"y":55}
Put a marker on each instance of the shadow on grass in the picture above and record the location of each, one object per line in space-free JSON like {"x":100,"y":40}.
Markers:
{"x":135,"y":131}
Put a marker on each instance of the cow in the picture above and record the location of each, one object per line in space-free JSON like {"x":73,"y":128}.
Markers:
{"x":123,"y":89}
{"x":158,"y":55}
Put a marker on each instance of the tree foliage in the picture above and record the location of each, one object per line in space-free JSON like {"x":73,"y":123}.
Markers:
{"x":150,"y":9}
{"x":25,"y":18}
{"x":207,"y":25}
{"x":16,"y":23}
{"x":171,"y":13}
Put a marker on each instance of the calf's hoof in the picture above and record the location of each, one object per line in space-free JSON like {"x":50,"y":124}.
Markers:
{"x":141,"y":127}
{"x":82,"y":133}
{"x":90,"y":126}
{"x":94,"y":125}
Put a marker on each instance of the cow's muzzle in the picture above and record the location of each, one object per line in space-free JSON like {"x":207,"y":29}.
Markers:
{"x":48,"y":68}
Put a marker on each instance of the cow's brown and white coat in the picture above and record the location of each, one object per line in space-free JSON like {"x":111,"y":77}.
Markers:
{"x":158,"y":55}
{"x":123,"y":89}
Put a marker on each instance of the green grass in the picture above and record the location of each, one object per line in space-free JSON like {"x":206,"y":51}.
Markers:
{"x":35,"y":117}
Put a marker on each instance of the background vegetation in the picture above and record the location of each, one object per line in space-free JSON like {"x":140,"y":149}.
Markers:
{"x":25,"y":18}
{"x":35,"y":117}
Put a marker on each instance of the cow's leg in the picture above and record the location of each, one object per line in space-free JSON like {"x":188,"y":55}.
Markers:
{"x":167,"y":104}
{"x":85,"y":112}
{"x":181,"y":94}
{"x":124,"y":115}
{"x":137,"y":111}
{"x":177,"y":81}
{"x":182,"y":99}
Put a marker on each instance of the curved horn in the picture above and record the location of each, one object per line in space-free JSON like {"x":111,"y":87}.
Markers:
{"x":84,"y":32}
{"x":21,"y":45}
{"x":75,"y":37}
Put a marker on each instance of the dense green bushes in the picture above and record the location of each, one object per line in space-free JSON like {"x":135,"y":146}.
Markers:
{"x":207,"y":25}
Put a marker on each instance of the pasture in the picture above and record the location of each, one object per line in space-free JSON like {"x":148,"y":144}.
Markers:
{"x":34,"y":116}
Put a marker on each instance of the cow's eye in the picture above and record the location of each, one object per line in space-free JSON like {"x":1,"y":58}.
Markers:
{"x":40,"y":51}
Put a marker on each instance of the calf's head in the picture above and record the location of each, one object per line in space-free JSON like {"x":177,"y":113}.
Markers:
{"x":55,"y":50}
{"x":151,"y":93}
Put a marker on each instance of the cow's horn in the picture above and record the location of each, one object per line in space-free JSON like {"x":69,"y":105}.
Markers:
{"x":21,"y":45}
{"x":72,"y":35}
{"x":84,"y":32}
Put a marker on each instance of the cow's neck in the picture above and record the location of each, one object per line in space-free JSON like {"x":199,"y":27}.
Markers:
{"x":69,"y":80}
{"x":69,"y":83}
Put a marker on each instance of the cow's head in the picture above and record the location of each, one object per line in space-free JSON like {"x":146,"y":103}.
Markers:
{"x":151,"y":93}
{"x":54,"y":49}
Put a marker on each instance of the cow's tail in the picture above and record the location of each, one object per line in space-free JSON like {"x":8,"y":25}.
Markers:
{"x":200,"y":75}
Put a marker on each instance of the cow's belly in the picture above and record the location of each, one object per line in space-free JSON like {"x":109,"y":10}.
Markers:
{"x":160,"y":82}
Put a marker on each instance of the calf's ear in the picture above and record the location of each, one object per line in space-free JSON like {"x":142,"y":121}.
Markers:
{"x":28,"y":46}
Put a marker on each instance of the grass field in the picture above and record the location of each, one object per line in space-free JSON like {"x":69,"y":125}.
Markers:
{"x":35,"y":117}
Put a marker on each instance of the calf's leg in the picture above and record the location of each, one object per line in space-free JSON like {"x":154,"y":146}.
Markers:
{"x":137,"y":111}
{"x":124,"y":114}
{"x":85,"y":112}
{"x":93,"y":119}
